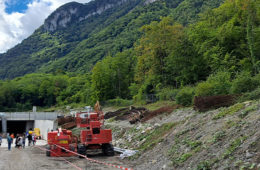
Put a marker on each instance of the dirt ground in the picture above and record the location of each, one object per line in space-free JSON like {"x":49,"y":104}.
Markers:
{"x":32,"y":158}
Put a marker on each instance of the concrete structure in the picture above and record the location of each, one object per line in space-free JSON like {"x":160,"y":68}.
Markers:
{"x":20,"y":122}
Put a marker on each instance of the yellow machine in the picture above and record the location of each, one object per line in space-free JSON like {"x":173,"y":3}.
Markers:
{"x":36,"y":132}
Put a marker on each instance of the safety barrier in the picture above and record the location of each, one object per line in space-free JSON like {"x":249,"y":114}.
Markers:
{"x":44,"y":149}
{"x":89,"y":159}
{"x":93,"y":160}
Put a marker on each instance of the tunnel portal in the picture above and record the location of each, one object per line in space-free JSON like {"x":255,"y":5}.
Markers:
{"x":21,"y":122}
{"x":18,"y":127}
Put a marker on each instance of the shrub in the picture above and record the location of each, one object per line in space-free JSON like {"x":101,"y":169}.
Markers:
{"x":119,"y":102}
{"x":204,"y":89}
{"x":185,"y":96}
{"x":216,"y":84}
{"x":220,"y":82}
{"x":256,"y":78}
{"x":167,"y":94}
{"x":133,"y":88}
{"x":243,"y":83}
{"x":253,"y":95}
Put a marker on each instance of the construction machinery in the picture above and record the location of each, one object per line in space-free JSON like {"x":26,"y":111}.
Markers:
{"x":92,"y":136}
{"x":57,"y":140}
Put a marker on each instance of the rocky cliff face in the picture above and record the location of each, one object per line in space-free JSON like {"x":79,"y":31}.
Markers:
{"x":76,"y":12}
{"x":62,"y":16}
{"x":150,"y":1}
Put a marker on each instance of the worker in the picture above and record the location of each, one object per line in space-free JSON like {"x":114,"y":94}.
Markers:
{"x":9,"y":141}
{"x":16,"y":141}
{"x":20,"y":142}
{"x":12,"y":136}
{"x":33,"y":139}
{"x":1,"y":139}
{"x":29,"y":139}
{"x":24,"y":138}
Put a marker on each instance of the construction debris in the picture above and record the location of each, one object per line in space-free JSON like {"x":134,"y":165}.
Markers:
{"x":139,"y":114}
{"x":126,"y":113}
{"x":151,"y":114}
{"x":125,"y":152}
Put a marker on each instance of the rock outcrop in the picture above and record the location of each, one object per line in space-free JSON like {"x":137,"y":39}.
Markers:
{"x":76,"y":12}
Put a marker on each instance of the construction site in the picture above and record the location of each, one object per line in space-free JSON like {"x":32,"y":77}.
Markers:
{"x":215,"y":134}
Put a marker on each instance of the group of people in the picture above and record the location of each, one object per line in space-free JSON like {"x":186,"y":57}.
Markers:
{"x":20,"y":140}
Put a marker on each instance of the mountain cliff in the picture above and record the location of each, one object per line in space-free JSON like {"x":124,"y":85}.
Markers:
{"x":75,"y":36}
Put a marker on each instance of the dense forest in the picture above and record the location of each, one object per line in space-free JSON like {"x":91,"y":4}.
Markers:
{"x":78,"y":46}
{"x":173,"y":58}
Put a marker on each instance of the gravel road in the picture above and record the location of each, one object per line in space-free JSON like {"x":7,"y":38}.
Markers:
{"x":32,"y":158}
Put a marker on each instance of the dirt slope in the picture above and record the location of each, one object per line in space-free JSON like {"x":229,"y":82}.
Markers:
{"x":227,"y":138}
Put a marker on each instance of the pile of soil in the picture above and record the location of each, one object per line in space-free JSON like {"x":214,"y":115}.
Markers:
{"x":64,"y":120}
{"x":206,"y":103}
{"x":67,"y":122}
{"x":69,"y":125}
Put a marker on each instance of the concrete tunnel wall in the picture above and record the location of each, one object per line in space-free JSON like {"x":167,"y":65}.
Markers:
{"x":45,"y":121}
{"x":45,"y":126}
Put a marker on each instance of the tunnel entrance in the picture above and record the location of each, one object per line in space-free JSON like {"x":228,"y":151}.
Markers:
{"x":16,"y":127}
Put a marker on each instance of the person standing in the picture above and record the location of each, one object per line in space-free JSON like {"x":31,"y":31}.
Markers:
{"x":33,"y":139}
{"x":17,"y":141}
{"x":9,"y":141}
{"x":29,"y":139}
{"x":1,"y":139}
{"x":12,"y":136}
{"x":20,"y":142}
{"x":24,"y":138}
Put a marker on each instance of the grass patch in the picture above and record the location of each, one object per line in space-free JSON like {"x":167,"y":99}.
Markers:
{"x":247,"y":110}
{"x":193,"y":144}
{"x":159,"y":104}
{"x":218,"y":136}
{"x":184,"y":157}
{"x":177,"y":157}
{"x":155,"y":136}
{"x":119,"y":102}
{"x":183,"y":132}
{"x":229,"y":111}
{"x":152,"y":138}
{"x":233,"y":146}
{"x":204,"y":165}
{"x":230,"y":123}
{"x":112,"y":119}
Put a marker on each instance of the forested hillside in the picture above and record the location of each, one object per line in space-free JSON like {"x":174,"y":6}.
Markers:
{"x":81,"y":34}
{"x":173,"y":50}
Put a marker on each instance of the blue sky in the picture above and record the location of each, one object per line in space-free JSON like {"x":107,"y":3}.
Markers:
{"x":20,"y":18}
{"x":17,"y":6}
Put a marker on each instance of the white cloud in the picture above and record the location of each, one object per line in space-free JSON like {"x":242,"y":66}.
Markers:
{"x":16,"y":26}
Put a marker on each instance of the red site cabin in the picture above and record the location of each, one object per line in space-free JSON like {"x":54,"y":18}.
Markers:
{"x":94,"y":136}
{"x":62,"y":138}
